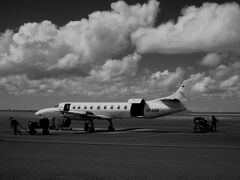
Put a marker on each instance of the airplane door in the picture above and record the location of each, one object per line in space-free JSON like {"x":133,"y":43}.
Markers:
{"x":66,"y":107}
{"x":137,"y":109}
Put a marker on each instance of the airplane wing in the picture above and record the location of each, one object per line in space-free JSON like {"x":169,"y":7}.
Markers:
{"x":85,"y":115}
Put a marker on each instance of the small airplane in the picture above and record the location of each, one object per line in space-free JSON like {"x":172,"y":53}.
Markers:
{"x":134,"y":108}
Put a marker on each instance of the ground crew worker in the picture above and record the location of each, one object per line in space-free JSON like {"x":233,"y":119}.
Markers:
{"x":14,"y":126}
{"x":53,"y":126}
{"x":31,"y":127}
{"x":214,"y":123}
{"x":44,"y":124}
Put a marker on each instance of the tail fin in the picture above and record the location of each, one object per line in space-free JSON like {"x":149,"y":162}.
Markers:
{"x":179,"y":94}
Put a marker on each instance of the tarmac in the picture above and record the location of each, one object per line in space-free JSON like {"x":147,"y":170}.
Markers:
{"x":163,"y":148}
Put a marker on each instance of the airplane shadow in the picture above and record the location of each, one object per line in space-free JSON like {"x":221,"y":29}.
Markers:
{"x":138,"y":130}
{"x":81,"y":131}
{"x":116,"y":131}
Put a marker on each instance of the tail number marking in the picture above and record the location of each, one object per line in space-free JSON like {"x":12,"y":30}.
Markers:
{"x":152,"y":110}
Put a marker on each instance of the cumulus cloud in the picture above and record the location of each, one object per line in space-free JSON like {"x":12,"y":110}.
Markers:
{"x":81,"y":57}
{"x":203,"y":85}
{"x":91,"y":56}
{"x":224,"y":71}
{"x":111,"y":79}
{"x":209,"y":86}
{"x":230,"y":82}
{"x":43,"y":50}
{"x":222,"y":81}
{"x":20,"y":85}
{"x":211,"y":60}
{"x":166,"y":78}
{"x":114,"y":69}
{"x":209,"y":28}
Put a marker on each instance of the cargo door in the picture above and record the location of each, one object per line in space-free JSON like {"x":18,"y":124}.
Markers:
{"x":137,"y":109}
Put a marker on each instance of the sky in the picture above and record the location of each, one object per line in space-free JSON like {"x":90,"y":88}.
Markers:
{"x":56,"y":51}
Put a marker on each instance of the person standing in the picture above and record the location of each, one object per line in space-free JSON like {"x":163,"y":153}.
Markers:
{"x":44,"y":124}
{"x":14,"y":126}
{"x":214,"y":123}
{"x":53,"y":126}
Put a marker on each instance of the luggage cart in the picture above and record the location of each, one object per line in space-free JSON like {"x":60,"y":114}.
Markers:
{"x":201,"y":125}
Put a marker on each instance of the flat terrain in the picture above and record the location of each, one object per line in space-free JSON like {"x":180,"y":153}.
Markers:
{"x":164,"y":148}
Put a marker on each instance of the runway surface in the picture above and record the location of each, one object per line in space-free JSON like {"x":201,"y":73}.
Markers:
{"x":164,"y":148}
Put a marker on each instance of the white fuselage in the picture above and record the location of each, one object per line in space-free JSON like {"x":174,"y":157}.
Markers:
{"x":116,"y":110}
{"x":133,"y":108}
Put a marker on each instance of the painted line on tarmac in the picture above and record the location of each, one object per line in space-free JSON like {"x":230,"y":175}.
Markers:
{"x":124,"y":144}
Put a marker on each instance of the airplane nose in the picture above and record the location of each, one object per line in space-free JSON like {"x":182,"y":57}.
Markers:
{"x":42,"y":112}
{"x":48,"y":112}
{"x":38,"y":113}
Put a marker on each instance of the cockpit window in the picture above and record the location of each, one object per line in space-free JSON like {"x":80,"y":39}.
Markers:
{"x":56,"y":106}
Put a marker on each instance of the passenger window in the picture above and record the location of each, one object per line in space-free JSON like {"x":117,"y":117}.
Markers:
{"x":118,"y":107}
{"x":125,"y":107}
{"x":111,"y":107}
{"x":85,"y":107}
{"x":98,"y":107}
{"x":91,"y":107}
{"x":105,"y":107}
{"x":73,"y":107}
{"x":79,"y":107}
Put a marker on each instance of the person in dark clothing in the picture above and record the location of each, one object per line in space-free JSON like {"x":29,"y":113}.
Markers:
{"x":31,"y":127}
{"x":53,"y":126}
{"x":214,"y":123}
{"x":14,"y":126}
{"x":44,"y":124}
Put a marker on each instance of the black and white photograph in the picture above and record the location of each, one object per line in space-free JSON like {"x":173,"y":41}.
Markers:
{"x":119,"y":89}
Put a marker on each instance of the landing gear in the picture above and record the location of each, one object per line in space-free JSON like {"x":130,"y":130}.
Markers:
{"x":86,"y":126}
{"x":110,"y":127}
{"x":91,"y":128}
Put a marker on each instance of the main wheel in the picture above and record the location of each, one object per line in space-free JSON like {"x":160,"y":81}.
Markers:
{"x":86,"y":128}
{"x":111,"y":128}
{"x":91,"y":129}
